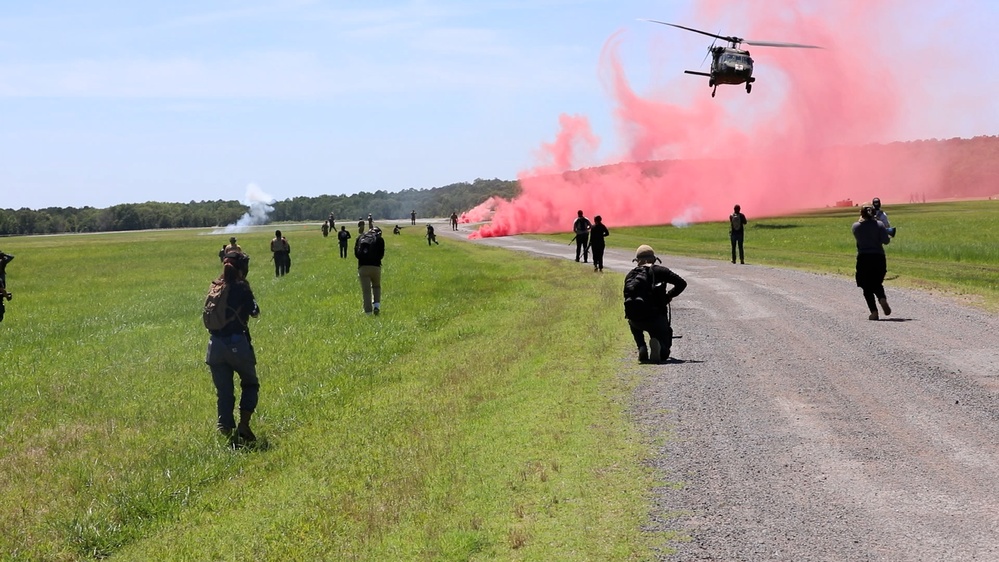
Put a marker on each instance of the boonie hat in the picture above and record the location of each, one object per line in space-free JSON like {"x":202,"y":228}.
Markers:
{"x":644,"y":252}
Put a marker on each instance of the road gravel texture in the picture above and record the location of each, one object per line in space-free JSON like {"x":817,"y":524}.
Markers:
{"x":800,"y":430}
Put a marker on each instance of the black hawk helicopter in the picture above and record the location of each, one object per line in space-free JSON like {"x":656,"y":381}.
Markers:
{"x":731,"y":65}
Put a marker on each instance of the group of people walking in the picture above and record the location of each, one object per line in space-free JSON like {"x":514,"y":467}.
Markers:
{"x":648,"y":291}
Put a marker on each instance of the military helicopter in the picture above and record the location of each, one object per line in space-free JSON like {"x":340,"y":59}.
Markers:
{"x":731,"y":65}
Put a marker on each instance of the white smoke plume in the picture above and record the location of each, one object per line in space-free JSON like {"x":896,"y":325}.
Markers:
{"x":259,"y":204}
{"x":689,"y":215}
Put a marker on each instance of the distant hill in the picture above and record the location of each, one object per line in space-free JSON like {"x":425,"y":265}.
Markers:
{"x":920,"y":170}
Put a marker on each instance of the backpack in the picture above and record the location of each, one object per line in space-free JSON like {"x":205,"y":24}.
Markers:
{"x":736,"y":220}
{"x":215,"y":315}
{"x":638,"y":299}
{"x":366,"y":245}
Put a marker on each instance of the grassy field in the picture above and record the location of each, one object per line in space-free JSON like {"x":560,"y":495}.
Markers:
{"x":482,"y":416}
{"x":948,"y":247}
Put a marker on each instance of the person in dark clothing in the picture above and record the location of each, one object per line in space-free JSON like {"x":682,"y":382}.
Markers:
{"x":342,"y":238}
{"x":369,"y":271}
{"x":412,"y":217}
{"x":737,"y":227}
{"x":396,"y":230}
{"x":454,"y":220}
{"x":431,"y":237}
{"x":4,"y":260}
{"x":371,"y":221}
{"x":581,"y":228}
{"x":871,"y":236}
{"x":657,"y":319}
{"x":597,"y":234}
{"x":222,"y":254}
{"x":326,"y":228}
{"x":332,"y":221}
{"x":230,"y":351}
{"x":360,"y":226}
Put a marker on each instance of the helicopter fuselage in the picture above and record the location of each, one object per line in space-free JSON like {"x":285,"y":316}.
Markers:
{"x":731,"y":66}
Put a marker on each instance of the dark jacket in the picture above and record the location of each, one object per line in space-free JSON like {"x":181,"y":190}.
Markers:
{"x":662,"y":276}
{"x":373,"y":259}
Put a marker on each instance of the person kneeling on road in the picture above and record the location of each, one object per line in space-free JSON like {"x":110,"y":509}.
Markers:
{"x":647,"y":304}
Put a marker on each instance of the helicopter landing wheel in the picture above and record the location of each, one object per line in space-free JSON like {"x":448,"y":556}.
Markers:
{"x":749,"y":88}
{"x":713,"y":91}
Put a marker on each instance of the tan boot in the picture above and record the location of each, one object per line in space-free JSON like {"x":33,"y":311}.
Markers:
{"x":243,"y":429}
{"x":884,"y":306}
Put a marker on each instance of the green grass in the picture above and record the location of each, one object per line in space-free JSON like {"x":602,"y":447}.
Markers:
{"x":948,"y":247}
{"x":482,"y":416}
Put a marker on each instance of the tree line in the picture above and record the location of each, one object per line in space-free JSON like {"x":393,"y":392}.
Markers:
{"x":382,"y":205}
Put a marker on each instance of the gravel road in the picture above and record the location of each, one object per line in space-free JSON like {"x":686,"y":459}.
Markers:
{"x":800,"y":430}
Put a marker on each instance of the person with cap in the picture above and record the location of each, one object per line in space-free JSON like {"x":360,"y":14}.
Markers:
{"x":369,"y":249}
{"x":282,"y":254}
{"x":232,"y":247}
{"x":647,"y":304}
{"x":581,"y":228}
{"x":871,"y":236}
{"x":882,"y":217}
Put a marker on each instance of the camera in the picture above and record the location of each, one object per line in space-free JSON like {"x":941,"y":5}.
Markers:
{"x":891,"y":231}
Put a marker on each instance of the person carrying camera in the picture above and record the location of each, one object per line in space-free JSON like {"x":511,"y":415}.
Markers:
{"x":736,"y":232}
{"x":4,"y":260}
{"x":882,"y":216}
{"x":646,"y":304}
{"x":871,"y":236}
{"x":230,"y":351}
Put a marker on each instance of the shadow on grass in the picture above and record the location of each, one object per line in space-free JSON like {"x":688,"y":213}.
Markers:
{"x":775,"y":226}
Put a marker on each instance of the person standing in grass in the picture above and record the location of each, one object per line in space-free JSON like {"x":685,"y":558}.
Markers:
{"x":4,"y":260}
{"x":431,"y":236}
{"x":454,"y":220}
{"x":871,"y":236}
{"x":230,"y":352}
{"x":412,"y":217}
{"x":282,"y":254}
{"x":4,"y":294}
{"x":737,"y":227}
{"x":360,"y":226}
{"x":342,"y":238}
{"x":597,"y":234}
{"x":369,"y":249}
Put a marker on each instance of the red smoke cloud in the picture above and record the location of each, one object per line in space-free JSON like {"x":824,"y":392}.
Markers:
{"x":796,"y":142}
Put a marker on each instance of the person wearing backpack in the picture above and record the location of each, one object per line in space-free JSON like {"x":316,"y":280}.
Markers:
{"x":228,"y":308}
{"x":647,"y":304}
{"x":282,"y":254}
{"x":737,"y":226}
{"x":597,"y":234}
{"x":581,"y":228}
{"x":369,"y":249}
{"x":342,"y":238}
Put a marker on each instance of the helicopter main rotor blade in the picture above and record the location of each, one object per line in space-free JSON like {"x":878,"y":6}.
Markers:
{"x":779,"y":44}
{"x":709,"y":34}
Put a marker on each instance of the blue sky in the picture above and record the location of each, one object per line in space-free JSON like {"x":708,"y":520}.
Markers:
{"x":108,"y":102}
